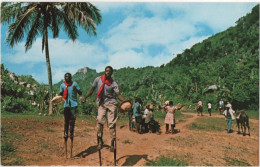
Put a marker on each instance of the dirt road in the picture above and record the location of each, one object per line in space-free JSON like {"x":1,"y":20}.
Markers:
{"x":42,"y":144}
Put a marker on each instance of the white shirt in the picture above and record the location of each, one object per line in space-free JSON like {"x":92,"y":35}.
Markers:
{"x":209,"y":105}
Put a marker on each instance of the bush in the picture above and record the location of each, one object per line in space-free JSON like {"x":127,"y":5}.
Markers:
{"x":19,"y":105}
{"x":164,"y":161}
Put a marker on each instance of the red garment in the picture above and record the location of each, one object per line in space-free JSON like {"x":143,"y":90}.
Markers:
{"x":65,"y":93}
{"x":104,"y":81}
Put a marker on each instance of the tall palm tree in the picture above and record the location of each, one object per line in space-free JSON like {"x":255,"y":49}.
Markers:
{"x":38,"y":18}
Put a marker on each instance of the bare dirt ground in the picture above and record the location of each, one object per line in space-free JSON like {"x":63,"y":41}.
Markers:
{"x":42,"y":144}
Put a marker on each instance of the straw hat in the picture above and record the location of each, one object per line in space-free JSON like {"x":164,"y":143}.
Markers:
{"x":57,"y":99}
{"x":125,"y":106}
{"x":228,"y":105}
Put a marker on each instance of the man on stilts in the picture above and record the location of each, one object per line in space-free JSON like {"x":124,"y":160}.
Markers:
{"x":69,"y":90}
{"x":106,"y":101}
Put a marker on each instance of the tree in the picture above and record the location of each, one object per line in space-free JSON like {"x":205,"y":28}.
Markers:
{"x":38,"y":18}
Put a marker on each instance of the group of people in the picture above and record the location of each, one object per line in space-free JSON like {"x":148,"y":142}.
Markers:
{"x":142,"y":121}
{"x":107,"y":91}
{"x":107,"y":88}
{"x":199,"y":107}
{"x":227,"y":111}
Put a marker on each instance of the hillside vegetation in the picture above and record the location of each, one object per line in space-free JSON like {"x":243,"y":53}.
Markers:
{"x":228,"y":60}
{"x":226,"y":65}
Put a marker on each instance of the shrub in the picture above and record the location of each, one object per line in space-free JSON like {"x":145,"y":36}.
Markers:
{"x":165,"y":161}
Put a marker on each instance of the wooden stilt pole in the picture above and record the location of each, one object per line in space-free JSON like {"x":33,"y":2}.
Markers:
{"x":65,"y":145}
{"x":115,"y":147}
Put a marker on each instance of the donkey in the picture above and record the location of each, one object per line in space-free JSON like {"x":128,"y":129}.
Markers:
{"x":242,"y":120}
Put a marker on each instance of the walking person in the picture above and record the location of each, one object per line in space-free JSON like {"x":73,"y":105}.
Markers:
{"x":200,"y":107}
{"x":138,"y":114}
{"x":107,"y":88}
{"x":221,"y":106}
{"x":147,"y":118}
{"x":209,"y":108}
{"x":69,"y":90}
{"x":229,"y":116}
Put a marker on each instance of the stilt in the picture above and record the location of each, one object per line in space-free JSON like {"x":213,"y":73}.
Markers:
{"x":99,"y":141}
{"x":115,"y":152}
{"x":115,"y":147}
{"x":71,"y":146}
{"x":65,"y":145}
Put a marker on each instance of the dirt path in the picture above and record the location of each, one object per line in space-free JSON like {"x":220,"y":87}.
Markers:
{"x":198,"y":148}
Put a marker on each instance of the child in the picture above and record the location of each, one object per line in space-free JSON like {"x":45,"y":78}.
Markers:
{"x":170,"y":117}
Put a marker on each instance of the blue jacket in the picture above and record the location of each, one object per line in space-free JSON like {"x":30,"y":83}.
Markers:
{"x":137,"y":109}
{"x":72,"y":95}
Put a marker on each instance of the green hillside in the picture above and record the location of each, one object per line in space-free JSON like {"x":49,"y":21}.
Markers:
{"x":228,"y":60}
{"x":226,"y":65}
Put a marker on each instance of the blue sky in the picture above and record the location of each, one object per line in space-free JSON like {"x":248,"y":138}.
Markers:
{"x":132,"y":34}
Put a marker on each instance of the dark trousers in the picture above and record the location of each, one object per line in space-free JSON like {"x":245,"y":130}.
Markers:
{"x":130,"y":121}
{"x":69,"y":117}
{"x":138,"y":123}
{"x":209,"y":111}
{"x":172,"y":126}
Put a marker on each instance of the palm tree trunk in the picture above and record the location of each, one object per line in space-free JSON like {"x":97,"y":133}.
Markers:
{"x":48,"y":63}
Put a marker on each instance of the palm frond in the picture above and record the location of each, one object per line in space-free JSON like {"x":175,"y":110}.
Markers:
{"x":17,"y":29}
{"x":69,"y":25}
{"x":11,"y":11}
{"x":34,"y":31}
{"x":85,"y":14}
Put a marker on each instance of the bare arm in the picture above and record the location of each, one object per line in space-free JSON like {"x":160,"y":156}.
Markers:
{"x":121,"y":98}
{"x":78,"y":91}
{"x":90,"y":92}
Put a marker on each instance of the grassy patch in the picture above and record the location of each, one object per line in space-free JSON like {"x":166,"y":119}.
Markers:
{"x":18,"y":161}
{"x":8,"y":149}
{"x":235,"y":162}
{"x":208,"y":124}
{"x":165,"y":161}
{"x":252,"y":114}
{"x":127,"y":142}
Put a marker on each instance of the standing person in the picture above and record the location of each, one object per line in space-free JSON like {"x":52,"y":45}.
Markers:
{"x":137,"y":114}
{"x":170,"y":117}
{"x":200,"y":107}
{"x":69,"y":90}
{"x":229,"y":115}
{"x":147,"y":117}
{"x":209,"y":108}
{"x":221,"y":106}
{"x":106,"y":102}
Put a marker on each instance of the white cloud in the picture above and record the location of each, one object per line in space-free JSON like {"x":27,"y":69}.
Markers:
{"x":217,"y":15}
{"x":142,"y":32}
{"x":65,"y":56}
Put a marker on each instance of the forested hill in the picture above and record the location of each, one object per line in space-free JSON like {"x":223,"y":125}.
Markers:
{"x":225,"y":65}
